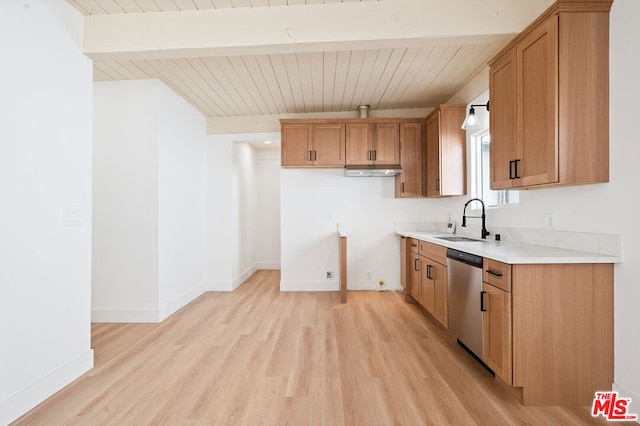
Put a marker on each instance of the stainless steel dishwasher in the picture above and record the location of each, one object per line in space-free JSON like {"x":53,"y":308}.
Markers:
{"x":464,"y":273}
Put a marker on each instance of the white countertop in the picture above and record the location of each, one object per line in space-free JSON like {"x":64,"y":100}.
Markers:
{"x":513,"y":253}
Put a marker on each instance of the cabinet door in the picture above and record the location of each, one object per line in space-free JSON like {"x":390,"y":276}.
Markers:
{"x":404,"y":263}
{"x":414,"y":276}
{"x":297,"y":141}
{"x":502,"y":149}
{"x":329,"y":145}
{"x":453,"y":151}
{"x":359,"y":143}
{"x":386,"y":146}
{"x":433,"y":155}
{"x":428,"y":285}
{"x":409,"y":183}
{"x":537,"y":99}
{"x":440,"y":294}
{"x":497,"y":352}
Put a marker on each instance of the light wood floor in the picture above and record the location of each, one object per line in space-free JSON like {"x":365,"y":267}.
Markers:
{"x":258,"y":356}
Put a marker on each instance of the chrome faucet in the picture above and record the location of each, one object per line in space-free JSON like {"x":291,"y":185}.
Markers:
{"x":485,"y":233}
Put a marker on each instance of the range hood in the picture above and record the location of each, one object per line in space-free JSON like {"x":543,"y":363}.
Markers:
{"x":378,"y":170}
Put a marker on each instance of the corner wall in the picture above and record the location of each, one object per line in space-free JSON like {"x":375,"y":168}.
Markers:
{"x":45,"y":187}
{"x":149,"y":189}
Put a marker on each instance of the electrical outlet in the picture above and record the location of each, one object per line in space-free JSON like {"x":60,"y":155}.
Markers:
{"x":329,"y":275}
{"x":548,"y":220}
{"x":369,"y":274}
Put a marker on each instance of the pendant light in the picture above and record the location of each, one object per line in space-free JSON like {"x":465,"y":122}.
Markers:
{"x":471,"y":122}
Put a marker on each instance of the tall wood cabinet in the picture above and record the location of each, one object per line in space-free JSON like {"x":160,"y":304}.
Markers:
{"x":550,"y":100}
{"x":446,"y":152}
{"x":410,"y":183}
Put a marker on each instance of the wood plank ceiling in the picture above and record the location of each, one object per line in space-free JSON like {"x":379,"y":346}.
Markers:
{"x":295,"y":83}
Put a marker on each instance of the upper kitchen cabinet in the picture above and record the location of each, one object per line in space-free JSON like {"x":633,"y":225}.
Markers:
{"x":313,"y":144}
{"x":373,"y":143}
{"x":446,"y":152}
{"x":549,"y":91}
{"x":410,"y":183}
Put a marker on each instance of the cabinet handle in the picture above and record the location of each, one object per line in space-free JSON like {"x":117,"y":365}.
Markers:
{"x":414,"y":245}
{"x":511,"y":169}
{"x":482,"y":309}
{"x":369,"y":155}
{"x":375,"y":155}
{"x":517,"y":175}
{"x":429,"y":272}
{"x":310,"y":155}
{"x":495,"y":274}
{"x":437,"y":184}
{"x":315,"y":155}
{"x":403,"y":187}
{"x":415,"y":264}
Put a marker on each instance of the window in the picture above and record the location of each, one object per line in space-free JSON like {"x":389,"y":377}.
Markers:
{"x":480,"y":179}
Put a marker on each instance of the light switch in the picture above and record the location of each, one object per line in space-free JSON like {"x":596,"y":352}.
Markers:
{"x":72,"y":217}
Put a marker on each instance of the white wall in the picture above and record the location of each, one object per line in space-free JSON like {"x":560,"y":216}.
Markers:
{"x":242,"y":203}
{"x":181,"y":207}
{"x":313,"y":201}
{"x":45,"y":168}
{"x":267,"y":208}
{"x":609,"y":208}
{"x":244,"y":189}
{"x":125,"y":201}
{"x":149,"y":189}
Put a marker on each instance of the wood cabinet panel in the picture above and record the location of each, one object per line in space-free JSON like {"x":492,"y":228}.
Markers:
{"x":537,"y":144}
{"x":386,"y":144}
{"x":415,"y":276}
{"x":427,"y":294}
{"x":329,"y":145}
{"x":433,"y":155}
{"x":410,"y":183}
{"x":502,"y":149}
{"x":359,"y":143}
{"x":440,"y":294}
{"x":297,"y":143}
{"x":433,"y":251}
{"x":497,"y":274}
{"x":446,"y":152}
{"x":414,"y":246}
{"x":497,"y":340}
{"x":562,"y":332}
{"x":404,"y":263}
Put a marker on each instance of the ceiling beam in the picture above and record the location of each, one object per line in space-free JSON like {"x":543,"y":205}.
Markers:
{"x":333,"y":26}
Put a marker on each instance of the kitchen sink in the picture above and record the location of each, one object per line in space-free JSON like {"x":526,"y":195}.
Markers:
{"x":456,"y":239}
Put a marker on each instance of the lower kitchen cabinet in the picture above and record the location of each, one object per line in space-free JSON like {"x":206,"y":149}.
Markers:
{"x":428,"y":279}
{"x":497,"y":343}
{"x":547,"y":328}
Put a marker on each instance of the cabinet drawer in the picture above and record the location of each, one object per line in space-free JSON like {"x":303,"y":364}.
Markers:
{"x":434,"y":252}
{"x":414,"y":246}
{"x":497,"y":274}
